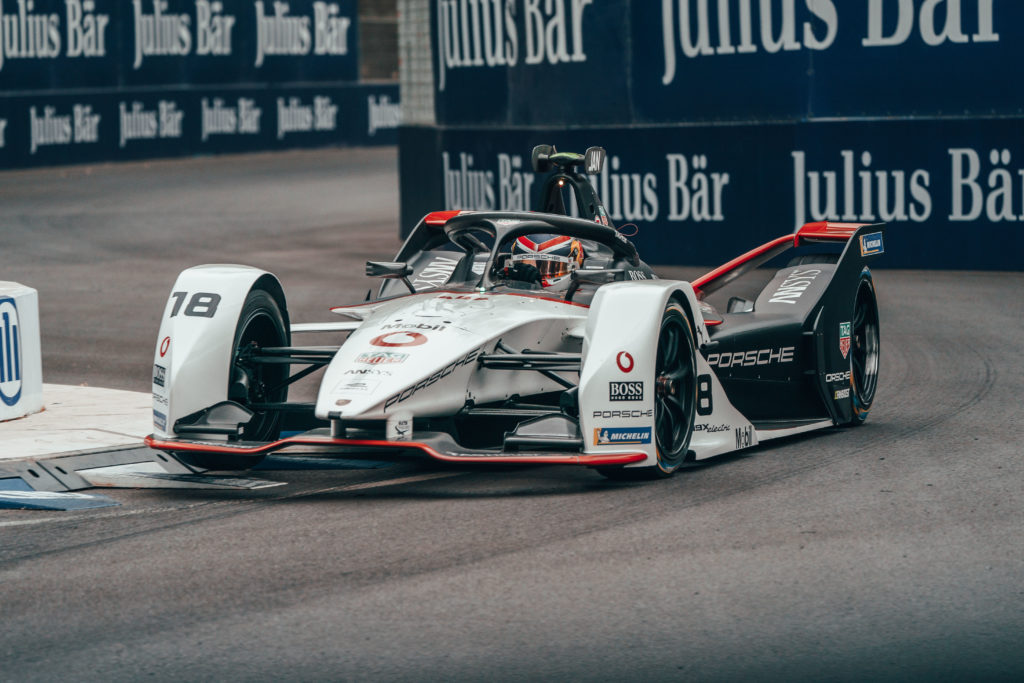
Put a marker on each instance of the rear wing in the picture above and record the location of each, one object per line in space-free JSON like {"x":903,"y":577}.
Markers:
{"x":870,"y":242}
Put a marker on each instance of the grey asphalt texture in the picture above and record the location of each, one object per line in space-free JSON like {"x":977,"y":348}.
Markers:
{"x":892,"y":551}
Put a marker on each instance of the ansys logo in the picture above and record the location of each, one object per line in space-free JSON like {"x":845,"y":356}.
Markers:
{"x":10,"y":352}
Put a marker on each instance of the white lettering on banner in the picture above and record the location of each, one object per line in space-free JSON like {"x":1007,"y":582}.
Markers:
{"x":485,"y":33}
{"x":865,"y":192}
{"x":785,"y":25}
{"x":24,"y":35}
{"x":466,"y":187}
{"x":970,"y":199}
{"x":139,"y":123}
{"x":213,"y":29}
{"x":694,"y":193}
{"x":280,"y":34}
{"x":700,"y":199}
{"x":383,"y":114}
{"x":514,"y":186}
{"x":86,"y":29}
{"x":330,"y":35}
{"x":160,"y":33}
{"x":80,"y":126}
{"x":296,"y":117}
{"x":218,"y":119}
{"x":880,"y":15}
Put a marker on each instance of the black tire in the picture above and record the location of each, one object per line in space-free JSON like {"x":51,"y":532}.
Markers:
{"x":864,"y":351}
{"x":675,"y":398}
{"x":260,"y":324}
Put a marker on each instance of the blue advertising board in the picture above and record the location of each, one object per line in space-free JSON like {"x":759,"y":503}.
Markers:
{"x":950,"y":190}
{"x":730,"y":122}
{"x":580,"y":62}
{"x":92,"y":80}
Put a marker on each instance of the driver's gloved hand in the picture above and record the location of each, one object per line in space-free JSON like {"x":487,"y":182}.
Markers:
{"x":524,"y":272}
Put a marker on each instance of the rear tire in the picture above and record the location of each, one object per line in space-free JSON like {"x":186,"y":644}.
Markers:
{"x":864,"y":351}
{"x":260,"y":324}
{"x":675,"y":399}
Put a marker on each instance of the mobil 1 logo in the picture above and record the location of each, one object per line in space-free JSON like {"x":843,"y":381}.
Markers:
{"x":625,"y":391}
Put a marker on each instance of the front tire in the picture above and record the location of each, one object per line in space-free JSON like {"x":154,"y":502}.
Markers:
{"x":260,"y":324}
{"x":675,"y":398}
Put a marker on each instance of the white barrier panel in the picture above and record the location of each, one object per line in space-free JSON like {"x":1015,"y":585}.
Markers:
{"x":21,"y":363}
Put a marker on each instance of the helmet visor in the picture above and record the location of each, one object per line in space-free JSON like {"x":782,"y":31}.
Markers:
{"x":550,"y":265}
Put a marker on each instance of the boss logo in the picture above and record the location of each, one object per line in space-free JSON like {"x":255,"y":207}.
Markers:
{"x":625,"y":391}
{"x":10,"y":352}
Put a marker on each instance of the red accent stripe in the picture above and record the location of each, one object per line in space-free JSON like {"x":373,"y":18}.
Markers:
{"x":827,"y":230}
{"x":718,"y":272}
{"x":440,"y":217}
{"x":554,"y":459}
{"x":712,"y":323}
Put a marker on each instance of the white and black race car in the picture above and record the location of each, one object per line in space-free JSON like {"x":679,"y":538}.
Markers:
{"x":512,"y":337}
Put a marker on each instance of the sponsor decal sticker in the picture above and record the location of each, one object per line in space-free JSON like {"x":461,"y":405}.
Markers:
{"x":357,"y":386}
{"x":159,"y":375}
{"x":407,"y":393}
{"x":844,"y":338}
{"x":624,"y":361}
{"x":609,"y":414}
{"x":607,"y":436}
{"x":792,"y":288}
{"x":10,"y":352}
{"x":712,"y":429}
{"x":746,"y":359}
{"x":838,"y":376}
{"x":842,"y":393}
{"x":871,"y":245}
{"x":744,"y":437}
{"x":165,"y":345}
{"x":381,"y":357}
{"x":625,"y":391}
{"x":399,"y":339}
{"x":159,"y":420}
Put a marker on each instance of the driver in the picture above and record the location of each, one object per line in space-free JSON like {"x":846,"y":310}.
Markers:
{"x":545,"y":259}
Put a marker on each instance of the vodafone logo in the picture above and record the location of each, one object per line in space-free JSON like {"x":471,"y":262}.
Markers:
{"x":624,"y":361}
{"x":399,"y":339}
{"x":165,"y":344}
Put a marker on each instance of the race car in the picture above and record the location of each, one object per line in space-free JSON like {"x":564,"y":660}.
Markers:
{"x":527,"y":337}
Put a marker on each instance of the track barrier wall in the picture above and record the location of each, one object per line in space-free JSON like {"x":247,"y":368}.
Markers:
{"x":730,"y":122}
{"x":95,"y":80}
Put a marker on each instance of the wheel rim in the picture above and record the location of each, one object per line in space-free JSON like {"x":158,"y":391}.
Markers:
{"x":864,"y":351}
{"x":258,"y":383}
{"x":673,"y":391}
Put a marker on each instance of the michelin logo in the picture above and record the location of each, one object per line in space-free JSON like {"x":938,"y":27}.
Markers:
{"x":608,"y":436}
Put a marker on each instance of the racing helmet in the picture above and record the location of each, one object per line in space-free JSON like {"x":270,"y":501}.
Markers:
{"x":554,"y":256}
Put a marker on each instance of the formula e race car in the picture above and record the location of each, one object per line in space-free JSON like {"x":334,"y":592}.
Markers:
{"x":522,"y":337}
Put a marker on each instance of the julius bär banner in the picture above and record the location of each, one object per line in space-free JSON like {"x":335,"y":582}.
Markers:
{"x":96,"y":80}
{"x":536,"y":62}
{"x":54,"y":44}
{"x":951,"y":191}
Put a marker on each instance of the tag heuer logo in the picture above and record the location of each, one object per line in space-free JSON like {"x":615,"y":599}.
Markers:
{"x":844,"y":338}
{"x":625,"y":391}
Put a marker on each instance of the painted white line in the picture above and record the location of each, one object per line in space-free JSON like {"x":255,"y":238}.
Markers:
{"x":22,"y":522}
{"x":400,"y":480}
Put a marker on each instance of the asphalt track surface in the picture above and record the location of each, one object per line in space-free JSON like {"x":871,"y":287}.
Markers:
{"x":887,"y":552}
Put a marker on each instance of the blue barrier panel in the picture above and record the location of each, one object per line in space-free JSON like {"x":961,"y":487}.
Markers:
{"x":530,"y":62}
{"x":63,"y":44}
{"x":47,"y":129}
{"x":580,"y":62}
{"x":952,"y":190}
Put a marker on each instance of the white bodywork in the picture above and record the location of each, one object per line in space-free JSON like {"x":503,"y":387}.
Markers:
{"x":417,"y":356}
{"x":194,"y":350}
